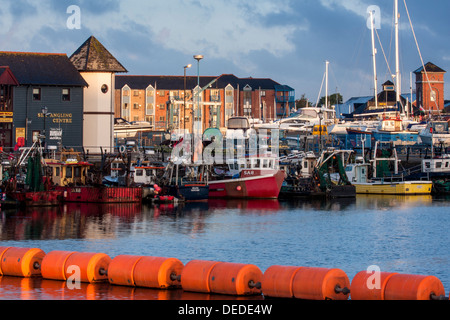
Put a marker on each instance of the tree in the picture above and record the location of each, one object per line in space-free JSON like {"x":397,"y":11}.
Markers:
{"x":332,"y":99}
{"x":302,"y":102}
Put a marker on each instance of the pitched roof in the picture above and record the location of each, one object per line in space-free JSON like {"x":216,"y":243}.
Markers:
{"x":177,"y":82}
{"x":92,"y":56}
{"x":7,"y":77}
{"x":254,"y":83}
{"x":42,"y":69}
{"x":430,"y":67}
{"x":161,"y":82}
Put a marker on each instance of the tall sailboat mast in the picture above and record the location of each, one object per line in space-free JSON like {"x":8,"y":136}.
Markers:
{"x":374,"y":52}
{"x":397,"y":54}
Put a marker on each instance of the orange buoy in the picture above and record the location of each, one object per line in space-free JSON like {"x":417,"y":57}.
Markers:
{"x":235,"y":279}
{"x":321,"y":284}
{"x":121,"y":270}
{"x":53,"y":265}
{"x":413,"y":287}
{"x":195,"y":275}
{"x":2,"y":251}
{"x":365,"y":287}
{"x":92,"y":266}
{"x":277,"y":281}
{"x":22,"y":262}
{"x":158,"y":272}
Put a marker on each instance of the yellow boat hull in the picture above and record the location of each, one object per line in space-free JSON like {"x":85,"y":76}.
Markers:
{"x":399,"y":188}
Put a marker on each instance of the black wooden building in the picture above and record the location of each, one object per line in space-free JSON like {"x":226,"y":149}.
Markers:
{"x":41,"y":93}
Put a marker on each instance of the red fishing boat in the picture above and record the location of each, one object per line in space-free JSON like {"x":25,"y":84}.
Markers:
{"x":252,"y":177}
{"x":69,"y":174}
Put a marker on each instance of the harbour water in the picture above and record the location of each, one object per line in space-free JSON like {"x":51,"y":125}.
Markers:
{"x":396,"y":233}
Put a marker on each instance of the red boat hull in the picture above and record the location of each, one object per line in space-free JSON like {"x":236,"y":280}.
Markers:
{"x":253,"y":187}
{"x":38,"y":199}
{"x":88,"y":194}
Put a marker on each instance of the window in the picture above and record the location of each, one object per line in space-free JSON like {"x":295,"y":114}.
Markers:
{"x":139,"y":173}
{"x":77,"y":173}
{"x":136,"y":93}
{"x":162,"y":118}
{"x":433,"y":96}
{"x":104,"y":88}
{"x":65,"y":94}
{"x":149,"y":119}
{"x":162,"y":93}
{"x":136,"y":106}
{"x":57,"y":171}
{"x":69,"y":172}
{"x":37,"y":94}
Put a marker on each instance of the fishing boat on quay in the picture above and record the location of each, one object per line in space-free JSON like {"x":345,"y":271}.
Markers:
{"x":435,"y":132}
{"x":79,"y":181}
{"x":378,"y":178}
{"x":29,"y":185}
{"x":310,"y":176}
{"x":258,"y":177}
{"x":184,"y":182}
{"x":395,"y":129}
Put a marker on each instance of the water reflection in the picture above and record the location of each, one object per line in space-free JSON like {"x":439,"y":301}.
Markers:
{"x":15,"y":288}
{"x":105,"y":221}
{"x":380,"y":202}
{"x":65,"y":222}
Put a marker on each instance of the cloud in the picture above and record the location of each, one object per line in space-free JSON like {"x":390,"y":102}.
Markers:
{"x":221,"y":29}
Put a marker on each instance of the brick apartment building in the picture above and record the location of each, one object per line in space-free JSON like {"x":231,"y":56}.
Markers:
{"x":167,"y":102}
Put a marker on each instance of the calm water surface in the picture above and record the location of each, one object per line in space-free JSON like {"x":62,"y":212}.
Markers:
{"x":398,"y":234}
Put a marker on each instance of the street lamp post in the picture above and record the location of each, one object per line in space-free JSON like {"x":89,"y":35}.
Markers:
{"x":198,"y":58}
{"x":184,"y":107}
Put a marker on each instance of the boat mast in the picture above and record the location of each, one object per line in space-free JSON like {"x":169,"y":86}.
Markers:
{"x":397,"y":54}
{"x":326,"y":84}
{"x":374,"y":52}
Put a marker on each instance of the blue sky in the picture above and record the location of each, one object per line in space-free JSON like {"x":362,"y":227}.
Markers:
{"x":286,"y":40}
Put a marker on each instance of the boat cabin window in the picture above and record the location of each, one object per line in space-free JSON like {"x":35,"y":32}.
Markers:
{"x":271,"y":164}
{"x":348,"y":169}
{"x":438,"y":165}
{"x":446,"y":164}
{"x":439,"y":127}
{"x":427,"y":165}
{"x":265,"y":163}
{"x":57,"y":169}
{"x":305,"y":164}
{"x":69,"y":172}
{"x":149,"y":172}
{"x":77,"y":172}
{"x":139,"y":173}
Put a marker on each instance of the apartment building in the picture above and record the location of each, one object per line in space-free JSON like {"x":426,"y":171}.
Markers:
{"x":172,"y":102}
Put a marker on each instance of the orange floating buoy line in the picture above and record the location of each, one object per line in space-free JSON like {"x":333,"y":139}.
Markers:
{"x":214,"y":277}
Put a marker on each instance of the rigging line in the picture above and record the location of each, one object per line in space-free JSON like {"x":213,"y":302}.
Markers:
{"x":384,"y":54}
{"x":420,"y":55}
{"x":321,"y":87}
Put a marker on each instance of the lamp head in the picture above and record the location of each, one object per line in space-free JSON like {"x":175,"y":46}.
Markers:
{"x":198,"y":57}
